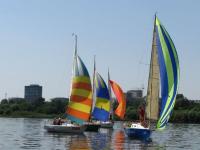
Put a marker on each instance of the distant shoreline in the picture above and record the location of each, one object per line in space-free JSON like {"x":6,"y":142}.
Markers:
{"x":25,"y":114}
{"x":185,"y":111}
{"x":51,"y":116}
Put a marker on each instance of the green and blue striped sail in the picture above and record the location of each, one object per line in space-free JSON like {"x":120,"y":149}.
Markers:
{"x":102,"y":107}
{"x":169,"y":73}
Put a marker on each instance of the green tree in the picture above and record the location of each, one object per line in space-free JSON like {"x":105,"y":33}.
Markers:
{"x":4,"y":101}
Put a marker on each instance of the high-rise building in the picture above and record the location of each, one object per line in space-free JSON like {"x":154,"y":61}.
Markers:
{"x":135,"y":93}
{"x":132,"y":95}
{"x":33,"y":92}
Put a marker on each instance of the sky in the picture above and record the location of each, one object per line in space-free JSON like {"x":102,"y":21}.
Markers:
{"x":36,"y":42}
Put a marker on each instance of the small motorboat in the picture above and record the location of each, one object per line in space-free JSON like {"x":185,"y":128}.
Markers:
{"x":136,"y":130}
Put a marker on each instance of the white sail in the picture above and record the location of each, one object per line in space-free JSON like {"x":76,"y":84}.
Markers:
{"x":152,"y":100}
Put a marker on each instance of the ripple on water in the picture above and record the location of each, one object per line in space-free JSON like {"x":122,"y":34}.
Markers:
{"x":19,"y":133}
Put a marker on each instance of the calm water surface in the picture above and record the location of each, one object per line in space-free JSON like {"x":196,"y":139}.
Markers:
{"x":21,"y":133}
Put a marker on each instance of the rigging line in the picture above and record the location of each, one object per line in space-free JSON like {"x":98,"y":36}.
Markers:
{"x":145,"y":64}
{"x":141,"y":76}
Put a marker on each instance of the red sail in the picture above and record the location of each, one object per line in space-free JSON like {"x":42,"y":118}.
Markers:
{"x":120,"y":111}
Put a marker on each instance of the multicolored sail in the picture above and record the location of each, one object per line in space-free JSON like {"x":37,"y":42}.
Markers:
{"x":169,"y":72}
{"x":102,"y":107}
{"x":121,"y":109}
{"x":80,"y":103}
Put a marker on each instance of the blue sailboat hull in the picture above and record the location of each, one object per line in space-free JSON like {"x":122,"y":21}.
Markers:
{"x":138,"y":133}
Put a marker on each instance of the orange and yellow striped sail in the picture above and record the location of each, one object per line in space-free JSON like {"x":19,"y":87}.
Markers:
{"x":121,"y":109}
{"x":80,"y":103}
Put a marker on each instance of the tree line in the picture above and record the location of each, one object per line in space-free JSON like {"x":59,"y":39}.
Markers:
{"x":185,"y":111}
{"x":37,"y":108}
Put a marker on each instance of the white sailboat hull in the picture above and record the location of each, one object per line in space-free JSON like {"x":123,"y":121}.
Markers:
{"x":65,"y":128}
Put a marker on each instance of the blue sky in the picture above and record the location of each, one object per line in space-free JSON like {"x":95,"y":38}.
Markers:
{"x":36,"y":42}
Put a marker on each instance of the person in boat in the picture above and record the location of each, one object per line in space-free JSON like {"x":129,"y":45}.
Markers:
{"x":141,"y":112}
{"x":58,"y":121}
{"x":55,"y":121}
{"x":110,"y":117}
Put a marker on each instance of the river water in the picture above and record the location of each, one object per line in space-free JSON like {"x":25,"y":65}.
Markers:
{"x":23,"y":133}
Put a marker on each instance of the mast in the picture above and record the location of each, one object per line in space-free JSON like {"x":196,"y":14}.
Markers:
{"x":152,"y":101}
{"x":79,"y":106}
{"x":93,"y":86}
{"x":74,"y":61}
{"x":110,"y":93}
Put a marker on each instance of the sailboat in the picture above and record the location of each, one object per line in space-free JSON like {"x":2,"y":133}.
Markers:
{"x":78,"y":110}
{"x":164,"y":69}
{"x":121,"y":108}
{"x":109,"y":123}
{"x":93,"y":125}
{"x":101,"y":110}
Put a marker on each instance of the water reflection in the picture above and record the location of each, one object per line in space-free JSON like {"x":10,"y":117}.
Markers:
{"x":119,"y":140}
{"x":78,"y":142}
{"x":100,"y":140}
